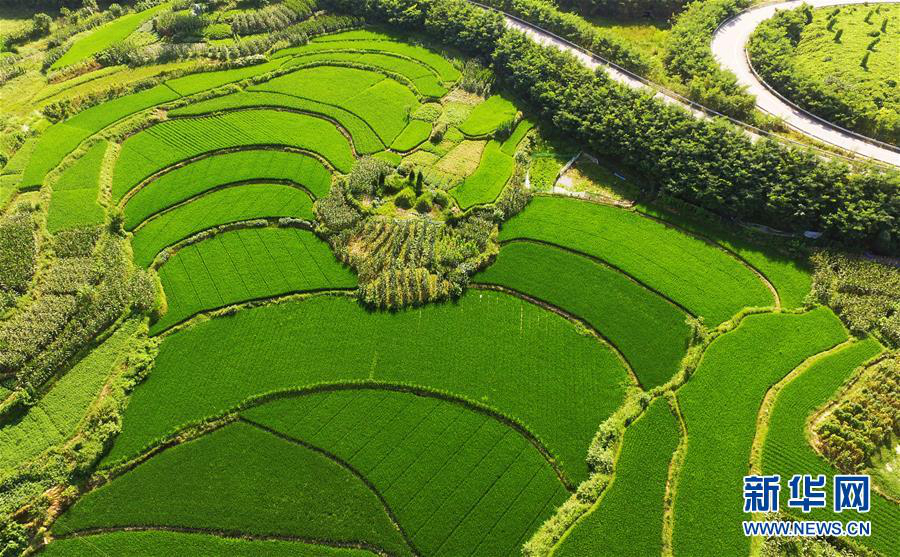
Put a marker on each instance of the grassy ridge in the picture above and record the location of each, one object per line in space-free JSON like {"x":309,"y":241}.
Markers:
{"x":364,"y":138}
{"x":245,"y":480}
{"x":486,"y":183}
{"x":105,"y":36}
{"x":197,"y":177}
{"x":55,"y":417}
{"x":166,"y":544}
{"x":791,"y":278}
{"x":650,"y":332}
{"x":231,"y":204}
{"x":628,"y":519}
{"x":490,"y":348}
{"x":169,"y":142}
{"x":73,"y":200}
{"x":701,"y":277}
{"x":459,"y":482}
{"x":382,"y":102}
{"x":719,"y":404}
{"x":787,"y":450}
{"x":59,"y":140}
{"x":244,"y":265}
{"x":486,"y":117}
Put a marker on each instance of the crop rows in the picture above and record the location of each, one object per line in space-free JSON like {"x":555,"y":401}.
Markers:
{"x":650,"y":332}
{"x":207,"y":173}
{"x":244,"y":265}
{"x":59,"y":140}
{"x":490,"y":348}
{"x":700,"y":277}
{"x":720,"y":404}
{"x":59,"y":411}
{"x":378,"y":42}
{"x":169,"y":142}
{"x":73,"y":201}
{"x":161,"y":543}
{"x":232,"y":204}
{"x":365,"y":141}
{"x":380,"y":101}
{"x":787,"y":450}
{"x":486,"y":183}
{"x":215,"y":481}
{"x":458,"y":481}
{"x":628,"y":519}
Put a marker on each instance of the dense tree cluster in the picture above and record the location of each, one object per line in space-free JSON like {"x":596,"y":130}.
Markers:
{"x":690,"y":59}
{"x":706,"y":162}
{"x":772,"y":49}
{"x":865,"y":420}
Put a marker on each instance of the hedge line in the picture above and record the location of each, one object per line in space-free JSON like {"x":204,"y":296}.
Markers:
{"x":706,"y":162}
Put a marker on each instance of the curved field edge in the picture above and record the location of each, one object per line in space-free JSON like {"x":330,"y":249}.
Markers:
{"x":703,"y":278}
{"x":785,"y":447}
{"x":166,"y":542}
{"x":652,"y":334}
{"x":635,"y":496}
{"x":294,"y":490}
{"x":720,"y":403}
{"x":382,"y":347}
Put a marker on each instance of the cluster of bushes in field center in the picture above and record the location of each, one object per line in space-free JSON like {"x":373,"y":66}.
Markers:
{"x":866,"y":419}
{"x":773,"y":47}
{"x":864,"y":293}
{"x":709,"y":163}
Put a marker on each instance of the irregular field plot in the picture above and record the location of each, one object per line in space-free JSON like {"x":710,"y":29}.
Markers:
{"x":245,"y":265}
{"x":486,"y":117}
{"x":650,"y":331}
{"x":787,"y":451}
{"x":172,"y":141}
{"x":202,"y":81}
{"x":380,"y":101}
{"x":628,"y":519}
{"x":104,"y":36}
{"x":165,"y":544}
{"x":365,"y":140}
{"x":459,"y":482}
{"x":59,"y":140}
{"x":791,"y":279}
{"x":55,"y":417}
{"x":232,"y":204}
{"x":412,"y":135}
{"x":486,"y":183}
{"x":73,"y":201}
{"x":205,"y":174}
{"x":516,"y":137}
{"x":719,"y":404}
{"x":490,"y":348}
{"x":241,"y":479}
{"x":702,"y":278}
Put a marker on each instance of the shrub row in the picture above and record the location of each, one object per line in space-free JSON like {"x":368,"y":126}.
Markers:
{"x":772,"y":48}
{"x":547,"y":15}
{"x":708,"y":163}
{"x":689,"y":58}
{"x":866,"y":420}
{"x":271,"y":18}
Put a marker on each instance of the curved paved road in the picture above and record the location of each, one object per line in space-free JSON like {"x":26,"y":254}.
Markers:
{"x":728,"y":48}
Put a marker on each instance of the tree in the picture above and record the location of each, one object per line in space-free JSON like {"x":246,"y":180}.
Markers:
{"x":41,"y":25}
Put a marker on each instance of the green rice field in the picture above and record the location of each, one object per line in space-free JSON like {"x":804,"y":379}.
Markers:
{"x":721,"y":421}
{"x":242,"y":265}
{"x":73,"y":201}
{"x":705,"y":280}
{"x":486,"y":183}
{"x":488,"y":116}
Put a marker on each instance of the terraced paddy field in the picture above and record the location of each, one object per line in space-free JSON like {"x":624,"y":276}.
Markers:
{"x":302,"y":303}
